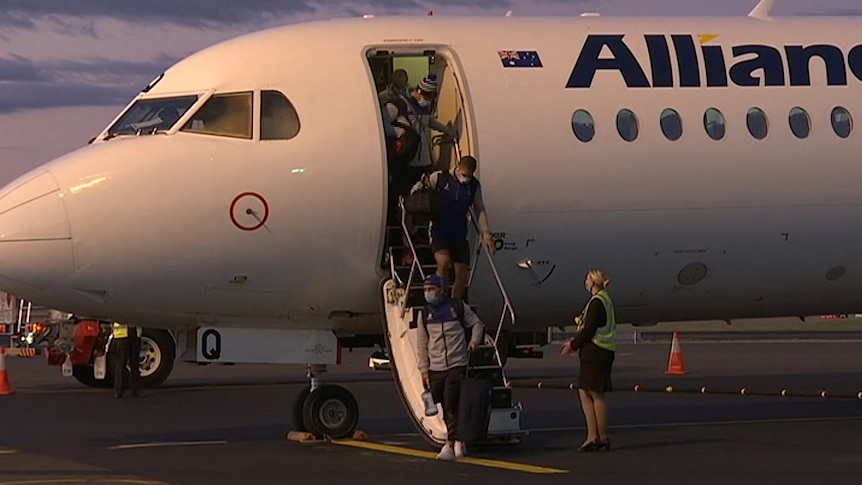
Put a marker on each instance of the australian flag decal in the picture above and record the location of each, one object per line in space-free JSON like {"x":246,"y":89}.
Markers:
{"x":520,"y":58}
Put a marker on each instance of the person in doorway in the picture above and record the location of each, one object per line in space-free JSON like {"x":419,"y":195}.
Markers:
{"x":418,"y":109}
{"x":449,"y":328}
{"x":596,"y":345}
{"x":128,"y":344}
{"x":397,"y":88}
{"x":454,"y":194}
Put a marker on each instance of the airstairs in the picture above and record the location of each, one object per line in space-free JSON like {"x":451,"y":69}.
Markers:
{"x":403,"y":300}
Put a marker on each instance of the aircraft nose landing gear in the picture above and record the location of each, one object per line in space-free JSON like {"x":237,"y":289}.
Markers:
{"x":326,"y":410}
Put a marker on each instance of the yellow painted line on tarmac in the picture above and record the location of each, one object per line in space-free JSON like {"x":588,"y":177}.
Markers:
{"x":165,"y":444}
{"x":8,"y":452}
{"x":400,"y":450}
{"x":45,"y":481}
{"x":107,"y":480}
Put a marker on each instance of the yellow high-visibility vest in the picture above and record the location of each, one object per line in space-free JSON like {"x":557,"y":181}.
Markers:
{"x":122,"y":331}
{"x":606,"y":336}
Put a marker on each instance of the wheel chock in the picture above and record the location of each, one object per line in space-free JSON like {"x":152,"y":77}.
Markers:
{"x":301,"y":436}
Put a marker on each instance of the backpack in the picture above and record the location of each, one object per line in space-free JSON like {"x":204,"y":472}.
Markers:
{"x":425,"y":199}
{"x":459,"y":311}
{"x":402,"y":149}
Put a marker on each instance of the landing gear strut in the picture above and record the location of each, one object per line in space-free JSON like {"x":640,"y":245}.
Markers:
{"x":325,"y":410}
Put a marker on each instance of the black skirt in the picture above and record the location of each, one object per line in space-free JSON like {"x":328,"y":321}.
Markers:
{"x":596,"y":365}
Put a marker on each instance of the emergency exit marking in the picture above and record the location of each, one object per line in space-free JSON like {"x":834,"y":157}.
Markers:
{"x":249,"y":211}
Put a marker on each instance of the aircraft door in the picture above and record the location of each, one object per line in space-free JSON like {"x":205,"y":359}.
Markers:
{"x":450,"y":108}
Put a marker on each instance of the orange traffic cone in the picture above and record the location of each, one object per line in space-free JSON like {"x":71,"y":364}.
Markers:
{"x":4,"y":377}
{"x":676,"y":364}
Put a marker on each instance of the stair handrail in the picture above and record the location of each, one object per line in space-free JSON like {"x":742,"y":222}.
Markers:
{"x":507,"y":303}
{"x":415,"y":265}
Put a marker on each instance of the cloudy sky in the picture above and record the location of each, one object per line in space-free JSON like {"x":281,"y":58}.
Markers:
{"x":68,"y":66}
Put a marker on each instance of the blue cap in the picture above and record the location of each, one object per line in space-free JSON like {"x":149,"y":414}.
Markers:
{"x":434,"y":280}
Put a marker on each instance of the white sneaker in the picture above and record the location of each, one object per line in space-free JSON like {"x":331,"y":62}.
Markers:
{"x":460,"y":449}
{"x":446,"y":453}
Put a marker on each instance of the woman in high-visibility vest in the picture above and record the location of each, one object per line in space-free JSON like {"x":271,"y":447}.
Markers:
{"x":595,"y":344}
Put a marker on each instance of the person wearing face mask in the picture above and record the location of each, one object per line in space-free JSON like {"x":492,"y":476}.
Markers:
{"x":449,"y":328}
{"x":596,"y":345}
{"x":455,"y":193}
{"x":420,"y":113}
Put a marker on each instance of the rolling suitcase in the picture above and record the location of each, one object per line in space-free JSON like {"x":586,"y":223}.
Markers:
{"x":474,"y":409}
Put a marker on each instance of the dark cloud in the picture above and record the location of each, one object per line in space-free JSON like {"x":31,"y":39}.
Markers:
{"x":77,"y":16}
{"x":212,"y":13}
{"x":27,"y":84}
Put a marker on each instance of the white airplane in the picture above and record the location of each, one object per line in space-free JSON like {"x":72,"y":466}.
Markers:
{"x":237,"y":207}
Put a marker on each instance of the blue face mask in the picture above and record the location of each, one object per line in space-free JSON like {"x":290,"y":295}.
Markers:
{"x":432,"y":297}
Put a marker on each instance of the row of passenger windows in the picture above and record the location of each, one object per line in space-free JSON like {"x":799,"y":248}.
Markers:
{"x":714,"y":123}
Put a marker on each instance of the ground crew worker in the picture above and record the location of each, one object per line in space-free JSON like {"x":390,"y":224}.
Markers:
{"x":596,"y":345}
{"x":128,"y":342}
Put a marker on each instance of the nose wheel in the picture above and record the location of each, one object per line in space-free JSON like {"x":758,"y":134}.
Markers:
{"x":330,"y":411}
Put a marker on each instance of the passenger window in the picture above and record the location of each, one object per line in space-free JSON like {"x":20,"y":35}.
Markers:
{"x":713,"y":123}
{"x":757,"y":123}
{"x":627,"y":124}
{"x":223,"y":115}
{"x":800,"y":123}
{"x":842,"y":122}
{"x":278,"y":118}
{"x":671,"y":124}
{"x":583,"y":126}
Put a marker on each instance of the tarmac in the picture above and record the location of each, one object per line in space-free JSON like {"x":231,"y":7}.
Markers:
{"x":724,"y":421}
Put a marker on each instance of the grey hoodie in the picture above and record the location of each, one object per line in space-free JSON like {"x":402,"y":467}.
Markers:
{"x":441,"y":343}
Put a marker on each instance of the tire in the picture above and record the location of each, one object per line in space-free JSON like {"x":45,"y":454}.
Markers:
{"x":158,"y":352}
{"x":296,"y":411}
{"x":330,"y":411}
{"x":84,"y":375}
{"x":157,"y":359}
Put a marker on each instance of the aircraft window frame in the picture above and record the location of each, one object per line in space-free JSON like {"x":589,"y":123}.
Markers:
{"x":670,"y":113}
{"x":720,"y":122}
{"x":286,"y":123}
{"x":220,"y":131}
{"x":834,"y":121}
{"x":585,"y":128}
{"x":792,"y":115}
{"x":152,"y":120}
{"x":757,"y":115}
{"x":634,"y":127}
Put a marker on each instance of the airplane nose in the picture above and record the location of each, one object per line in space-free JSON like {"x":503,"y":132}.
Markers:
{"x":35,"y":237}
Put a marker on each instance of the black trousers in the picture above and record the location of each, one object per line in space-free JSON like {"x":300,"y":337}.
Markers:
{"x":446,"y":389}
{"x":128,"y":353}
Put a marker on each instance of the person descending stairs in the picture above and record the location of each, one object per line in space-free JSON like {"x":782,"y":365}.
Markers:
{"x":497,"y":417}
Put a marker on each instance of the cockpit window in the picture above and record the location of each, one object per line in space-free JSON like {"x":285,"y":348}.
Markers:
{"x":278,"y":118}
{"x":223,"y":115}
{"x":148,"y":116}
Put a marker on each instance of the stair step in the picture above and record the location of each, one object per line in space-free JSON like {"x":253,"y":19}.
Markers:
{"x":395,"y":236}
{"x":491,"y":374}
{"x":501,"y":397}
{"x":424,"y":253}
{"x":485,"y":355}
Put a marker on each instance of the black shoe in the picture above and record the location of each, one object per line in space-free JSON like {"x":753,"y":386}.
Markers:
{"x":137,"y":393}
{"x":589,"y":447}
{"x":118,"y":395}
{"x":603,"y":445}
